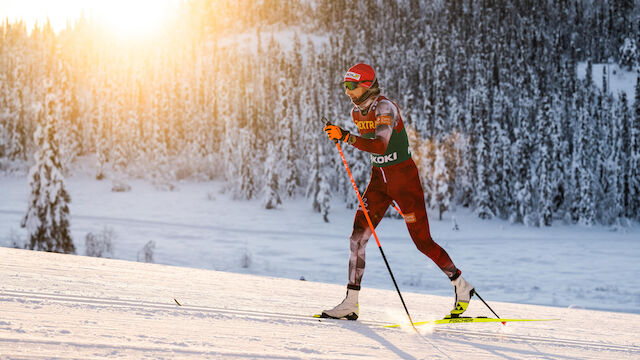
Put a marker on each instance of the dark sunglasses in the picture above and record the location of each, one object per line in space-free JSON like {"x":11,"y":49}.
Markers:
{"x":351,"y":85}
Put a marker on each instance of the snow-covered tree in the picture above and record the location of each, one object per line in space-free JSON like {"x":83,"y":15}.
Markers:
{"x":291,"y":180}
{"x":441,"y":199}
{"x":481,"y":198}
{"x":47,"y":217}
{"x":202,"y":92}
{"x":633,"y":175}
{"x":245,"y":180}
{"x":618,"y":179}
{"x":161,"y":174}
{"x":546,"y":184}
{"x":120,"y":152}
{"x":319,"y":185}
{"x":628,"y":54}
{"x":271,"y":195}
{"x":323,"y":197}
{"x":66,"y":125}
{"x":101,"y":142}
{"x":583,"y":165}
{"x":520,"y":162}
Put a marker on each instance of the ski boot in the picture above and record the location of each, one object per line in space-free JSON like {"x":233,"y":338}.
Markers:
{"x":464,"y":291}
{"x":347,"y":309}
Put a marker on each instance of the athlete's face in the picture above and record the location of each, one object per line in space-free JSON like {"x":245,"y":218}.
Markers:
{"x":355,"y":93}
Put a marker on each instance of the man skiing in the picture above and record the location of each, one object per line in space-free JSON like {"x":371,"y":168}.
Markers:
{"x":394,"y":177}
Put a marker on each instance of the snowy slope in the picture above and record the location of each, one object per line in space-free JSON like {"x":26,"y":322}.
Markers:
{"x":198,"y":226}
{"x":81,"y":307}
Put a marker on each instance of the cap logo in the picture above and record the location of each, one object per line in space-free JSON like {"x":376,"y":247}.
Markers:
{"x":352,"y":75}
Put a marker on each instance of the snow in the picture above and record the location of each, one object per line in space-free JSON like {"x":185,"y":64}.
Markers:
{"x":65,"y":306}
{"x":248,"y":41}
{"x":620,"y":80}
{"x":198,"y":226}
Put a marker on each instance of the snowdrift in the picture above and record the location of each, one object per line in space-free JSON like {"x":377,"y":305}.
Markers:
{"x":64,"y":306}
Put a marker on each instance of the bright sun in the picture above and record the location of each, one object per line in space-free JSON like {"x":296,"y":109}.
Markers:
{"x":125,"y":18}
{"x":131,"y":18}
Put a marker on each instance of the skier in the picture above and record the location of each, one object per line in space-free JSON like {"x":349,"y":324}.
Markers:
{"x":394,"y":177}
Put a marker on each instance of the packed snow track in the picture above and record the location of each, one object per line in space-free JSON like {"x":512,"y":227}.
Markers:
{"x":67,"y":306}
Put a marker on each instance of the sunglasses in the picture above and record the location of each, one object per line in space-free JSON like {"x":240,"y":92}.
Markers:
{"x":351,"y":85}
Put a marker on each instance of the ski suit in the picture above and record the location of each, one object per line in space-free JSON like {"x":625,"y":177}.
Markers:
{"x":394,"y":177}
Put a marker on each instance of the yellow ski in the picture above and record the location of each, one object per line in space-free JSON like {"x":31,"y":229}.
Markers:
{"x":465,"y":320}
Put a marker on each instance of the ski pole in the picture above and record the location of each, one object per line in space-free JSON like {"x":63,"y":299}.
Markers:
{"x":373,"y":230}
{"x":487,"y":305}
{"x":395,"y":206}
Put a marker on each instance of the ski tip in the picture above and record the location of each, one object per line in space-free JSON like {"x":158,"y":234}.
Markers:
{"x":177,"y":302}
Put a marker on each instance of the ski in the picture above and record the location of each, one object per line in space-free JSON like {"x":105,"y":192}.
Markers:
{"x":465,"y":320}
{"x":323,"y":316}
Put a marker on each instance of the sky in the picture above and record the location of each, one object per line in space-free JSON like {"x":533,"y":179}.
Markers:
{"x":124,"y":17}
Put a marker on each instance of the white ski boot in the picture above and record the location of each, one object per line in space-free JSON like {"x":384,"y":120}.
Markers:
{"x":464,"y":291}
{"x":347,"y":309}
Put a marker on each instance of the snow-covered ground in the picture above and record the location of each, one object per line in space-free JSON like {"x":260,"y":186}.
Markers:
{"x":63,"y":306}
{"x":248,"y":41}
{"x":620,"y":79}
{"x":197,"y":226}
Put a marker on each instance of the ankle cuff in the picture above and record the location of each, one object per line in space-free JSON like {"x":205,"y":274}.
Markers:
{"x":456,"y":275}
{"x":353,"y":287}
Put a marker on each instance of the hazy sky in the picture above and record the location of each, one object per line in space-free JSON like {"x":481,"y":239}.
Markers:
{"x":121,"y":15}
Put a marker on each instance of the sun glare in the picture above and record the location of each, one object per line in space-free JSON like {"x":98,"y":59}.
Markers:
{"x":124,"y":18}
{"x":131,"y":18}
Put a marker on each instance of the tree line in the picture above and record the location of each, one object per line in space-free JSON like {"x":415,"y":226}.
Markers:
{"x":233,"y":90}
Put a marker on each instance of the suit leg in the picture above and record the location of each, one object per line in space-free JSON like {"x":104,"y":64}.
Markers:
{"x":376,"y":201}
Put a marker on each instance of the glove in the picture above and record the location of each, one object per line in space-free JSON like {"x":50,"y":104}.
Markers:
{"x":336,"y":133}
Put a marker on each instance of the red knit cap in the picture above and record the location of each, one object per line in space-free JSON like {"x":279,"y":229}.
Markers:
{"x":361,"y":72}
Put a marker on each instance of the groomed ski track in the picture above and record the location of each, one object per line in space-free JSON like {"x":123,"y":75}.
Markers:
{"x":62,"y":306}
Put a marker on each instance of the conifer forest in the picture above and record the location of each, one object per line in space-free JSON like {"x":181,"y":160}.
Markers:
{"x":499,"y":120}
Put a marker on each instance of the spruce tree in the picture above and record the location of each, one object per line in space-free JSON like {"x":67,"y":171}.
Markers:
{"x":633,"y":176}
{"x":65,"y":128}
{"x":162,"y":174}
{"x":481,"y":198}
{"x":100,"y":140}
{"x":499,"y":189}
{"x":520,"y":162}
{"x":120,"y":152}
{"x":546,"y":168}
{"x":16,"y":125}
{"x":47,"y":217}
{"x":620,"y":144}
{"x":442,"y":197}
{"x":313,"y":187}
{"x":323,"y":197}
{"x":585,"y":175}
{"x":245,"y":180}
{"x":271,"y":196}
{"x":464,"y":159}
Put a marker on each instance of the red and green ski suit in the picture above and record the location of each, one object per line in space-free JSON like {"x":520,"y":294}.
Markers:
{"x":394,"y":177}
